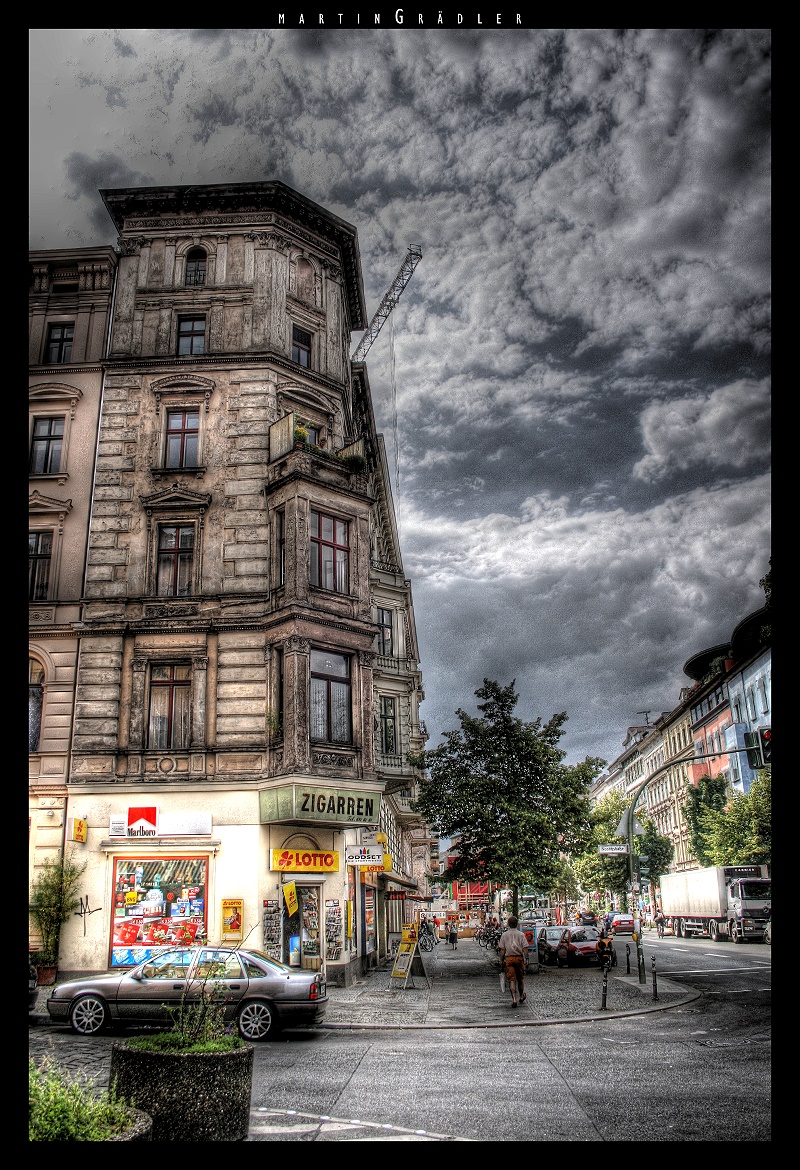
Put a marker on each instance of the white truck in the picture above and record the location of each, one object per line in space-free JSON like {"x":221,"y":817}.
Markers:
{"x":723,"y":901}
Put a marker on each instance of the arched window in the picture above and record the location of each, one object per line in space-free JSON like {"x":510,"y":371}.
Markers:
{"x":35,"y":681}
{"x":195,"y":267}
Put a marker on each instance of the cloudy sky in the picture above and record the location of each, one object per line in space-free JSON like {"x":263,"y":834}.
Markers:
{"x":581,"y":359}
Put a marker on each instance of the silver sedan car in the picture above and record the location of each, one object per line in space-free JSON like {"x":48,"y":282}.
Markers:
{"x":259,"y":993}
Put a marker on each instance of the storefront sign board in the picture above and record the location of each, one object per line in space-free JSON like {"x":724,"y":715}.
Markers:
{"x":305,"y":860}
{"x":319,"y":805}
{"x":364,"y":855}
{"x":147,"y":821}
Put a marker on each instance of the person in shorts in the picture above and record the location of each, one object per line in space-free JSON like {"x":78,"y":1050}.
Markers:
{"x":513,"y":948}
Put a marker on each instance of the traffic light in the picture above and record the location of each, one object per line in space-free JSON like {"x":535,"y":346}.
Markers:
{"x":752,"y":741}
{"x":765,"y":739}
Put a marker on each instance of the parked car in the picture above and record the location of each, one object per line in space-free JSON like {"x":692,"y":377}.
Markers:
{"x":588,"y":918}
{"x":622,"y":924}
{"x":579,"y":946}
{"x":33,"y":988}
{"x":260,"y":994}
{"x":548,"y":942}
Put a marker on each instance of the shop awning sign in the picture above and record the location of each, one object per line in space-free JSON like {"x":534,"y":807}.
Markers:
{"x":319,"y":805}
{"x":364,"y":855}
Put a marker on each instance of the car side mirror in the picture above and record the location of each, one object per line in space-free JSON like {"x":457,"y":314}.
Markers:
{"x":135,"y":975}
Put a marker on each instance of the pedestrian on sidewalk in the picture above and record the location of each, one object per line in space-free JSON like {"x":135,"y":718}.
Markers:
{"x":513,"y":948}
{"x":452,"y":936}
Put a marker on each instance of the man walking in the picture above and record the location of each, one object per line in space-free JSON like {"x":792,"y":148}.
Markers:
{"x":513,"y":948}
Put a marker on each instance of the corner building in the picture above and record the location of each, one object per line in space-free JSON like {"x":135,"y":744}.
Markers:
{"x":248,"y":682}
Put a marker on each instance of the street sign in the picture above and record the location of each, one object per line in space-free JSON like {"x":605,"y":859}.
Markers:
{"x":644,"y":856}
{"x":613,"y":850}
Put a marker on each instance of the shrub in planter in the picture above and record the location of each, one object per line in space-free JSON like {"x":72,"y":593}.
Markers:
{"x":65,"y":1110}
{"x":196,"y":1078}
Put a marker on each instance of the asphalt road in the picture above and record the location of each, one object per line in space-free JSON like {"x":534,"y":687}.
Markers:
{"x":693,"y":1073}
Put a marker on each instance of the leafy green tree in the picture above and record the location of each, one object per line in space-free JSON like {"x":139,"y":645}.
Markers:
{"x":597,"y":871}
{"x":658,"y":850}
{"x":710,"y":794}
{"x":741,"y":833}
{"x":498,"y":787}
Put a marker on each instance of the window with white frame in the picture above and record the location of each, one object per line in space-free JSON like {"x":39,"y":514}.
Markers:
{"x":47,"y":442}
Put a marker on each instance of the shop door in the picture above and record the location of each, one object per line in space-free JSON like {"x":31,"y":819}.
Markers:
{"x":303,"y":931}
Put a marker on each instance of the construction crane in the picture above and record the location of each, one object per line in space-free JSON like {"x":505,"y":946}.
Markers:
{"x":413,"y":257}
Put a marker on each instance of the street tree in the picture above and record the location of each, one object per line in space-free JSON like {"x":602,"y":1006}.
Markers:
{"x":596,"y":871}
{"x":710,"y":794}
{"x":741,"y":833}
{"x":499,"y":788}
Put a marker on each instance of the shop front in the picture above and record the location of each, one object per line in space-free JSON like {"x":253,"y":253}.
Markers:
{"x":320,"y":914}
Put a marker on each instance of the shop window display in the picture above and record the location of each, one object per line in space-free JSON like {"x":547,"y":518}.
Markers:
{"x":158,"y":903}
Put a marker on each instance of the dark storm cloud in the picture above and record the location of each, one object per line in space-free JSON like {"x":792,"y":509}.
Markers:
{"x":581,"y":359}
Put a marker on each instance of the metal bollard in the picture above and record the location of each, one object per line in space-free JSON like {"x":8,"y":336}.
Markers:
{"x":655,"y":980}
{"x":627,"y":958}
{"x":605,"y":987}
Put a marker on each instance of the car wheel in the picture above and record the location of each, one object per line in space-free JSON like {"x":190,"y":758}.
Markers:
{"x":257,"y":1020}
{"x":736,"y":934}
{"x":713,"y":931}
{"x":88,"y":1015}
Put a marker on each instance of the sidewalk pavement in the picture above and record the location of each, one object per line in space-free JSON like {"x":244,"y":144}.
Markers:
{"x":461,"y":989}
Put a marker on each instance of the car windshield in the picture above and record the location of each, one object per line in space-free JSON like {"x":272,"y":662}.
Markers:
{"x":553,"y":932}
{"x":585,"y":934}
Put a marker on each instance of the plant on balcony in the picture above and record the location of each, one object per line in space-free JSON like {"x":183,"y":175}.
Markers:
{"x":354,"y":462}
{"x":300,"y":435}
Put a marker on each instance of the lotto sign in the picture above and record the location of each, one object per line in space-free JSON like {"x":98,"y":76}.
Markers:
{"x":305,"y":860}
{"x":290,"y":898}
{"x":77,"y":830}
{"x":232,"y":910}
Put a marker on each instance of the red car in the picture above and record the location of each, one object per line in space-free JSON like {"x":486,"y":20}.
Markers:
{"x":622,"y":924}
{"x":571,"y":946}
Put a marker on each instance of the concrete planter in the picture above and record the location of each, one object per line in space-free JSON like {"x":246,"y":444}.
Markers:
{"x":140,"y":1131}
{"x":201,"y":1096}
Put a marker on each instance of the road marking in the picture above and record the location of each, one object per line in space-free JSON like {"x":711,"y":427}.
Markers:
{"x":278,"y":1121}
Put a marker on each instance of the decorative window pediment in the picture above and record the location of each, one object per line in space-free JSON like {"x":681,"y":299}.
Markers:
{"x":178,"y":384}
{"x":291,"y":395}
{"x":39,"y":505}
{"x":66,"y":396}
{"x":176,"y":497}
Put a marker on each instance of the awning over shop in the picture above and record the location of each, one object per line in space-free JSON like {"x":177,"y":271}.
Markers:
{"x":390,"y":875}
